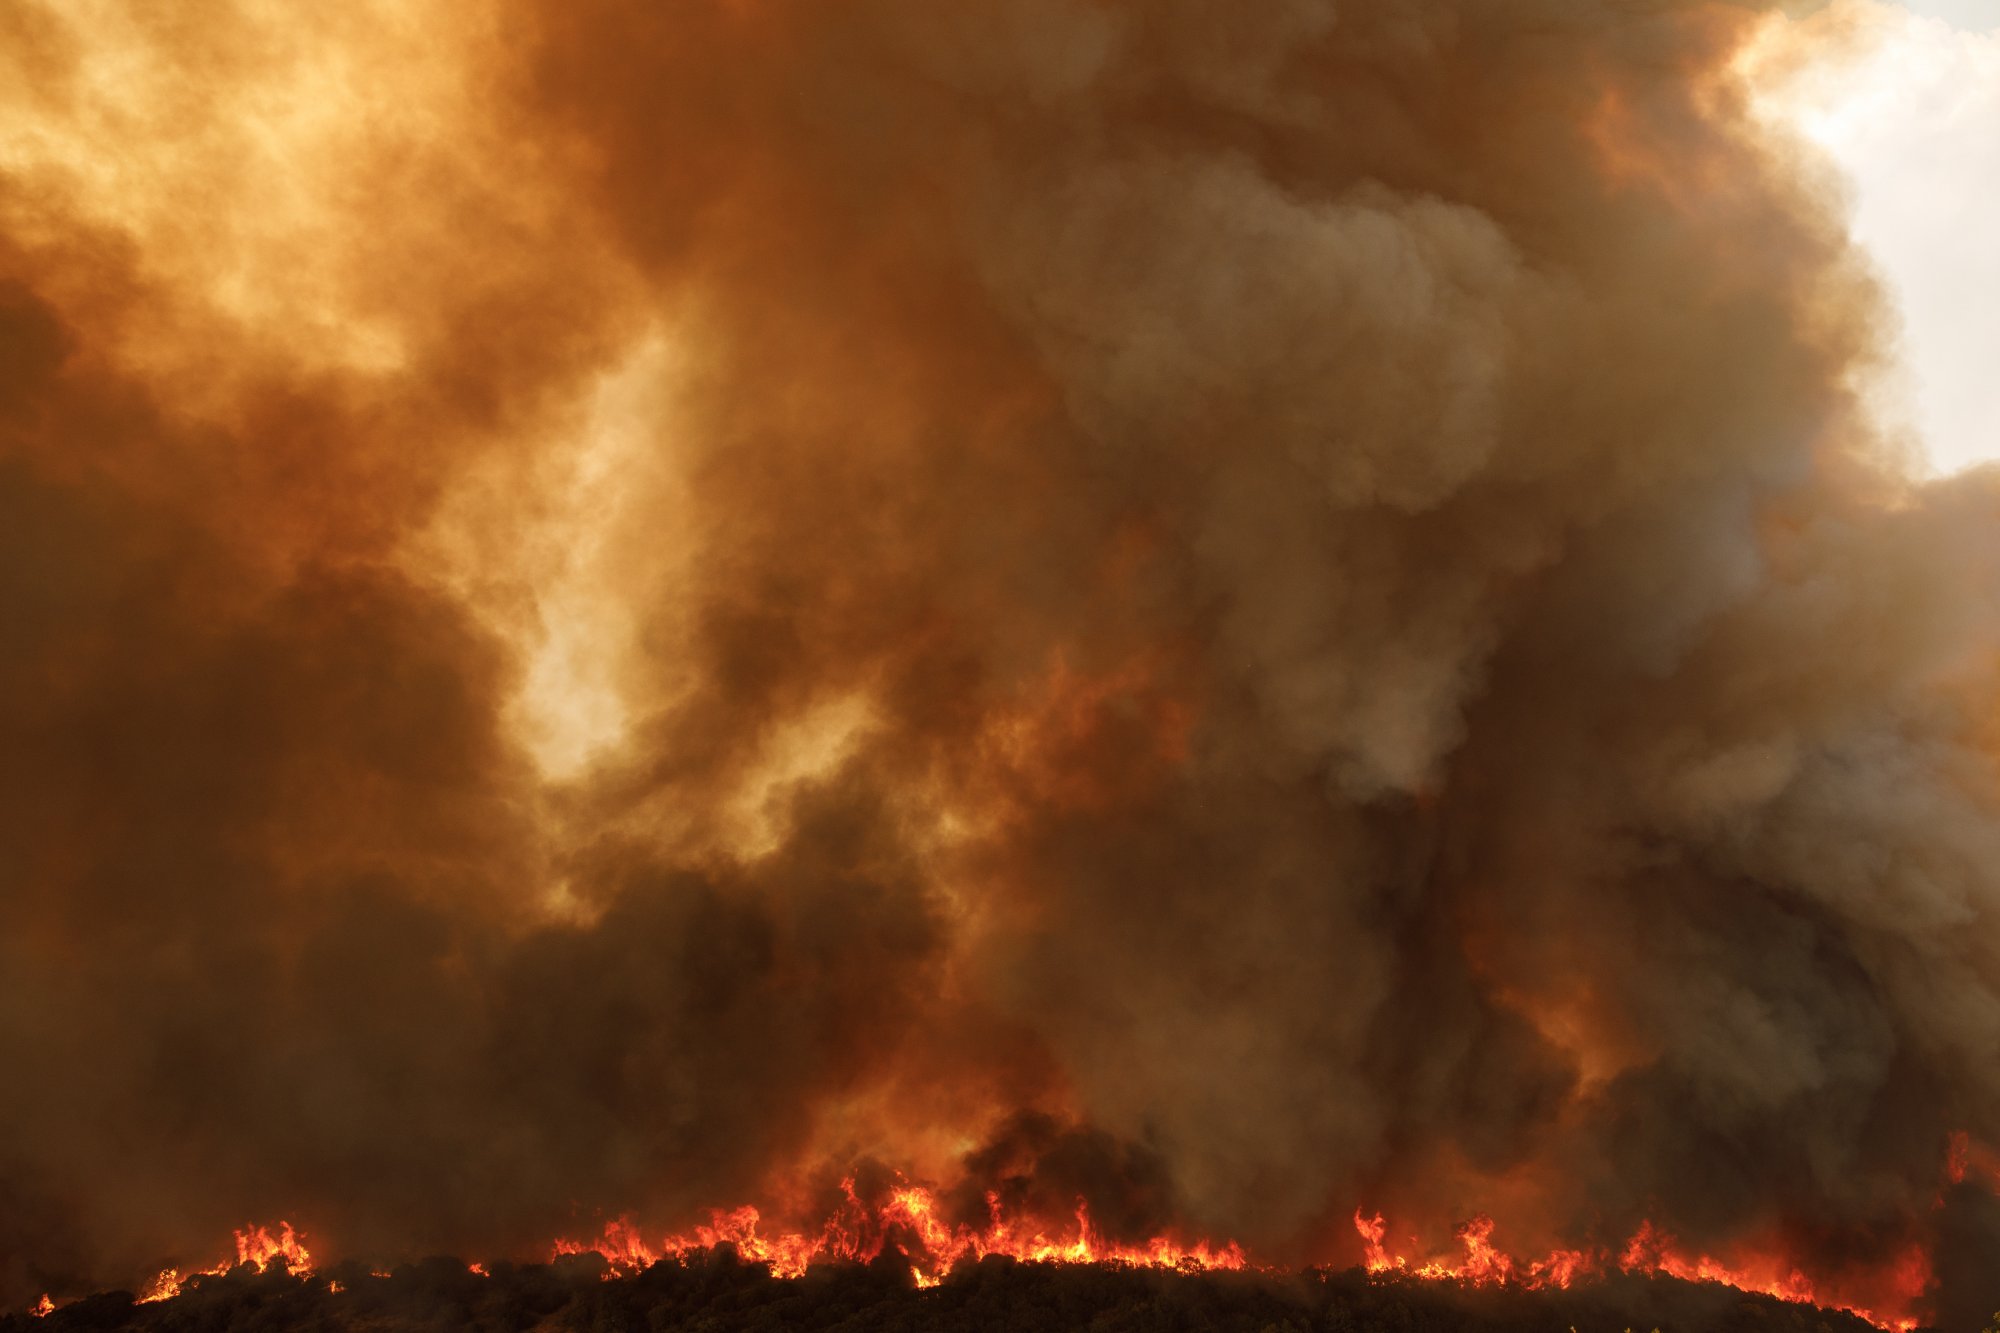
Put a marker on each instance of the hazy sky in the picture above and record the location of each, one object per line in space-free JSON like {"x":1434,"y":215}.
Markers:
{"x":1977,"y":14}
{"x":1917,"y":124}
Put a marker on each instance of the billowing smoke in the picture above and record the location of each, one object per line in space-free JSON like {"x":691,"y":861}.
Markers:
{"x":1242,"y":610}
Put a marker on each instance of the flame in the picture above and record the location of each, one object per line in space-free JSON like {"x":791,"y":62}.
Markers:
{"x":257,"y":1246}
{"x":1483,"y":1265}
{"x":43,"y":1308}
{"x":1375,"y":1258}
{"x":908,"y":1218}
{"x":1651,"y":1253}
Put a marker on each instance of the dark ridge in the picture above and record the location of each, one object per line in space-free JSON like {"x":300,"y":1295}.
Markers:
{"x":719,"y":1291}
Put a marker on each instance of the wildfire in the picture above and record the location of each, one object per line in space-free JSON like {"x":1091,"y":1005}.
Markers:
{"x":909,"y":1218}
{"x":1483,"y":1265}
{"x":43,"y":1307}
{"x":257,"y":1246}
{"x":1650,"y":1253}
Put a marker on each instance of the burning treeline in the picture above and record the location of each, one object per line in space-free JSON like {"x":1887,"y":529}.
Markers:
{"x":1230,"y":612}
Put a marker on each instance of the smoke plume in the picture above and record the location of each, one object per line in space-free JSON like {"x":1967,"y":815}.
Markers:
{"x":1241,"y":611}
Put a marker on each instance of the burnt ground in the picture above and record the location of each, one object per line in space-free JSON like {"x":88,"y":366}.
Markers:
{"x":718,"y":1292}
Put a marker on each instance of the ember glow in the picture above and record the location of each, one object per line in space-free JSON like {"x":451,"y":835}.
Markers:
{"x":1128,"y":626}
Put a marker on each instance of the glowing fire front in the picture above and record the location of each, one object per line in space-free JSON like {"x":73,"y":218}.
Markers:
{"x":909,"y":1220}
{"x":1650,"y":1253}
{"x":257,"y":1247}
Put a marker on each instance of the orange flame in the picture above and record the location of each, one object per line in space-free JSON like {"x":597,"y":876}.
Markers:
{"x":907,"y":1220}
{"x":257,"y":1246}
{"x":43,"y":1308}
{"x":1650,"y":1253}
{"x":909,"y":1217}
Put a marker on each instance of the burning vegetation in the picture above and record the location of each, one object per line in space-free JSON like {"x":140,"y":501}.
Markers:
{"x":720,"y":1287}
{"x":1064,"y":653}
{"x":879,"y":1251}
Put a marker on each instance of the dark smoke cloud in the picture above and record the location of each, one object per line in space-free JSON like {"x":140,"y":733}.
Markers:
{"x":1256,"y":608}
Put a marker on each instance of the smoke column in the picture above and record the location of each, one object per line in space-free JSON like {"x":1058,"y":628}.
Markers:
{"x":1245,"y":610}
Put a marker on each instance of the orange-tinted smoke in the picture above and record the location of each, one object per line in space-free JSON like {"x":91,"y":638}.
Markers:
{"x":1240,"y":610}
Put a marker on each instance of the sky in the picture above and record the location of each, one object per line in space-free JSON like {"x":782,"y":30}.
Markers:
{"x":1914,"y":120}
